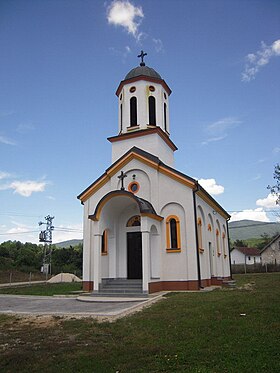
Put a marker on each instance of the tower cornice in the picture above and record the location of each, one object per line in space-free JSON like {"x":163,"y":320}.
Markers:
{"x":145,"y":132}
{"x":147,"y":79}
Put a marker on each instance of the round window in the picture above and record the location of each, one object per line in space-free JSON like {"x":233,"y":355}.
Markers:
{"x":152,"y":88}
{"x":133,"y":187}
{"x":132,"y":89}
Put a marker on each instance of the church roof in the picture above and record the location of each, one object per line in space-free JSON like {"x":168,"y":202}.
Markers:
{"x":156,"y":163}
{"x":144,"y":71}
{"x":145,"y":207}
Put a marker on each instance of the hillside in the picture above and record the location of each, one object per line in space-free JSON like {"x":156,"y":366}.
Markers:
{"x":246,"y":229}
{"x":68,"y":243}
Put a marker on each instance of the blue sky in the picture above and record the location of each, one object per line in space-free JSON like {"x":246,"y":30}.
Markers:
{"x":61,"y":62}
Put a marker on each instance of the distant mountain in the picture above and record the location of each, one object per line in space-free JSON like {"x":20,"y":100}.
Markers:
{"x":246,"y":229}
{"x":68,"y":243}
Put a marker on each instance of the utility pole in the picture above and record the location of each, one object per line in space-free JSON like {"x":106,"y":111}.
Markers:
{"x":46,"y":237}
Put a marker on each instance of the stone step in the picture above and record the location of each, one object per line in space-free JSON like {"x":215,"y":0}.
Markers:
{"x":119,"y":295}
{"x":229,"y":283}
{"x":121,"y":281}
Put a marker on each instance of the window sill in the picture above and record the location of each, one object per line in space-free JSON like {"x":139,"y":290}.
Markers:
{"x":173,"y":250}
{"x":133,"y":128}
{"x":104,"y":254}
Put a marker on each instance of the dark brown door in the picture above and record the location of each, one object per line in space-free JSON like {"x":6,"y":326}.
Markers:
{"x":134,"y":255}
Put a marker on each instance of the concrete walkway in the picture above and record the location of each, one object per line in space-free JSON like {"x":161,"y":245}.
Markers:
{"x":26,"y":305}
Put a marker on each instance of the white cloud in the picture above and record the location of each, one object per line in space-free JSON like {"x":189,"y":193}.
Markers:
{"x":218,"y":130}
{"x":276,"y":150}
{"x":158,"y":45}
{"x":254,"y":61}
{"x":4,"y":175}
{"x":125,"y":14}
{"x":211,"y":186}
{"x":122,"y":53}
{"x":25,"y":127}
{"x":26,"y":188}
{"x":257,"y":214}
{"x":269,"y":202}
{"x":19,"y":231}
{"x":6,"y":141}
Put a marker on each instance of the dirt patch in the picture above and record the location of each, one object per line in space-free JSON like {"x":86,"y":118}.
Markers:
{"x":250,"y":286}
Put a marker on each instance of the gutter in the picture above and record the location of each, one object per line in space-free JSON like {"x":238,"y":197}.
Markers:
{"x":229,"y":255}
{"x":196,"y":235}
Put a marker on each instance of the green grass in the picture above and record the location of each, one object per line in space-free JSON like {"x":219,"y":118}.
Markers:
{"x":185,"y":332}
{"x":46,"y":289}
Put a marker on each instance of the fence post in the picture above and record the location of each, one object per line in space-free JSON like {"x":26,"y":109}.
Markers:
{"x":11,"y":274}
{"x":30,"y":274}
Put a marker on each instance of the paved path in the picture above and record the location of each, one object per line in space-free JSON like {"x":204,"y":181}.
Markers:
{"x":38,"y":305}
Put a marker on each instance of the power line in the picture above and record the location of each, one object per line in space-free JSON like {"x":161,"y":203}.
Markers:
{"x":252,"y":225}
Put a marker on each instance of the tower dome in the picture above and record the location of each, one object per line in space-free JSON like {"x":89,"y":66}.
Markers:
{"x":142,"y":71}
{"x":143,"y":100}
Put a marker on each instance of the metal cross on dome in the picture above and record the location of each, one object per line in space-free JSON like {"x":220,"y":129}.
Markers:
{"x":142,"y":55}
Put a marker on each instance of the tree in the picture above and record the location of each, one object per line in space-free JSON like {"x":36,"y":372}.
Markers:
{"x":239,"y":243}
{"x":275,"y":189}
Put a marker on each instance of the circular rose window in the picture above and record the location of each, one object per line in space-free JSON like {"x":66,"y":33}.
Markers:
{"x":133,"y":187}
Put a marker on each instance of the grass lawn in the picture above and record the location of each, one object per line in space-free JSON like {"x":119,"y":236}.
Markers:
{"x":185,"y":332}
{"x":43,"y":289}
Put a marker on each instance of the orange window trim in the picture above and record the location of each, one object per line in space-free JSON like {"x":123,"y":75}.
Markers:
{"x":178,"y":231}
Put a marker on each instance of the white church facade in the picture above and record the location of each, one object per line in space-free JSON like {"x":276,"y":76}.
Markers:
{"x":143,"y":219}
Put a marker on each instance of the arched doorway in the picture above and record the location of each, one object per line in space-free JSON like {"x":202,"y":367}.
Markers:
{"x":134,"y":248}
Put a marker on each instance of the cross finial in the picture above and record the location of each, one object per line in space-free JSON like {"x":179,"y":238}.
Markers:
{"x":121,"y":177}
{"x":142,"y":55}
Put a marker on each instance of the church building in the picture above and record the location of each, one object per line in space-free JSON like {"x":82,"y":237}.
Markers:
{"x":147,"y":224}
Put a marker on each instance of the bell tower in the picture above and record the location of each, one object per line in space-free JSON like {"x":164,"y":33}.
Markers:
{"x":143,"y":102}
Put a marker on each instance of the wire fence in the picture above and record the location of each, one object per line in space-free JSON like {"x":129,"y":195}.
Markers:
{"x":255,"y":268}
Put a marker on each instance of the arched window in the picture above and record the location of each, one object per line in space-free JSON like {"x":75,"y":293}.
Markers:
{"x":199,"y":234}
{"x":165,"y":117}
{"x":173,"y":235}
{"x":218,"y":242}
{"x":121,"y":114}
{"x":133,"y":111}
{"x":224,"y":244}
{"x":152,"y":110}
{"x":135,"y":221}
{"x":104,"y":243}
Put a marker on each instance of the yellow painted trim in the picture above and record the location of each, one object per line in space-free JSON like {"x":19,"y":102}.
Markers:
{"x":133,"y":128}
{"x":152,"y":216}
{"x":95,"y":188}
{"x":178,"y":231}
{"x":132,"y":219}
{"x":112,"y":171}
{"x":173,"y":250}
{"x":211,"y":203}
{"x":176,"y":177}
{"x":218,"y":242}
{"x":100,"y":207}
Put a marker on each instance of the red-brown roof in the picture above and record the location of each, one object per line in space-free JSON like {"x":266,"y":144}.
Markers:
{"x":252,"y":251}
